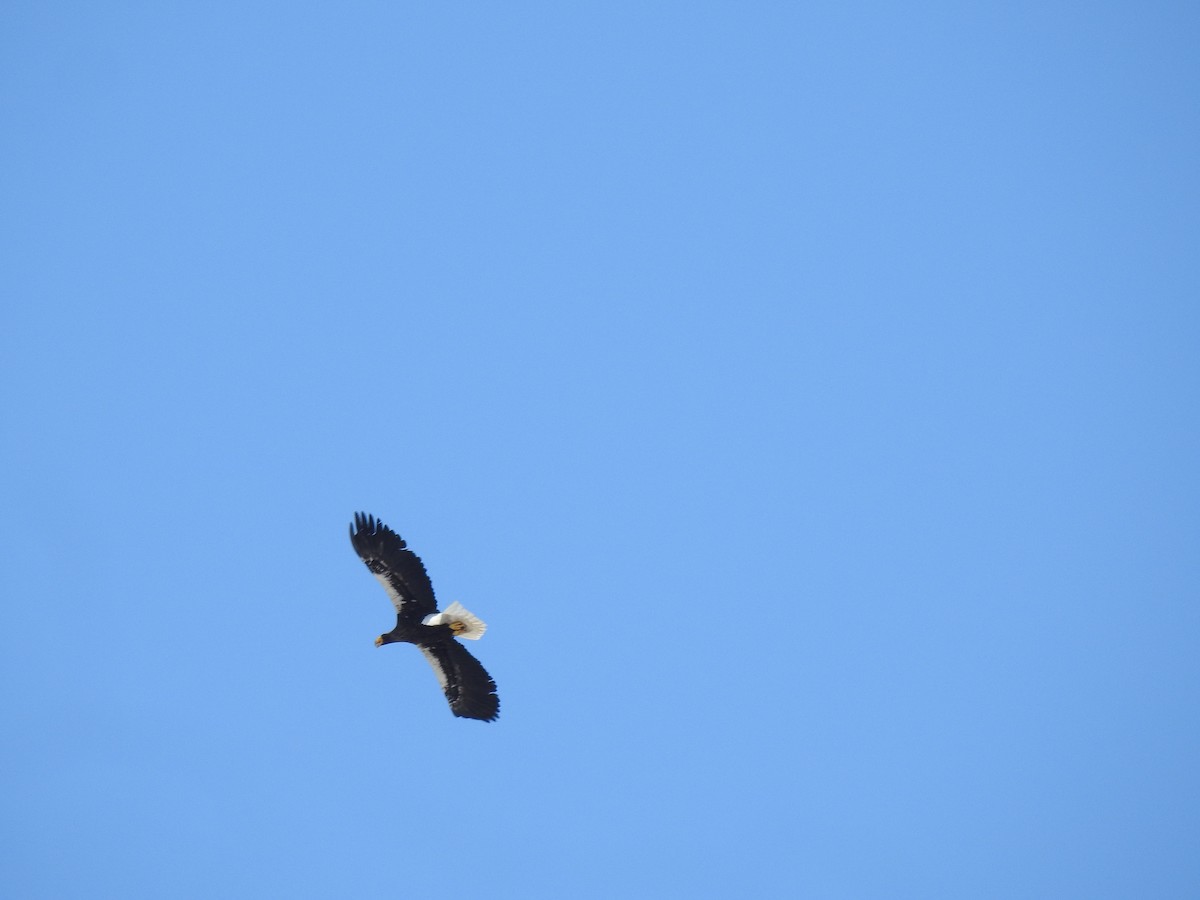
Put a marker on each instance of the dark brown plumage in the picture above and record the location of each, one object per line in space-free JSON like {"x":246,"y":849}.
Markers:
{"x":469,"y":689}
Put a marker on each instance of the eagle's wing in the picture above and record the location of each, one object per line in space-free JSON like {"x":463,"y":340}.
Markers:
{"x":398,"y":569}
{"x":468,"y":686}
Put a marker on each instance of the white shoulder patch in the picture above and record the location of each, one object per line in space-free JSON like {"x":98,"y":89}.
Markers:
{"x":437,"y":666}
{"x":397,"y":600}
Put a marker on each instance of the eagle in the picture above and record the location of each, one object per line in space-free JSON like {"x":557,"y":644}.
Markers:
{"x":467,"y":685}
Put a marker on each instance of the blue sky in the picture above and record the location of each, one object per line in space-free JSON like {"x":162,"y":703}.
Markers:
{"x":805,"y":395}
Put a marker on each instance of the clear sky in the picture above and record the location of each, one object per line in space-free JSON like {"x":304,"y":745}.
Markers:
{"x":804,"y":393}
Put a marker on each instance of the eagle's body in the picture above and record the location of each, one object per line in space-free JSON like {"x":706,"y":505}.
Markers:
{"x":468,"y":687}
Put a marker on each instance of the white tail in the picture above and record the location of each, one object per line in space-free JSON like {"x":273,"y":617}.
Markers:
{"x":464,"y":622}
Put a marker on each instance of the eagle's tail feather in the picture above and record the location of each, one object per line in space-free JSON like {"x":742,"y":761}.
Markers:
{"x":465,"y":623}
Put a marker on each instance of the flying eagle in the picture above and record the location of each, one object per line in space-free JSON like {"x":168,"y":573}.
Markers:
{"x":468,"y":687}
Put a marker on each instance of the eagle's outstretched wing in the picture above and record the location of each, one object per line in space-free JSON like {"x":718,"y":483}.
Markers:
{"x":398,"y":569}
{"x":468,"y":687}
